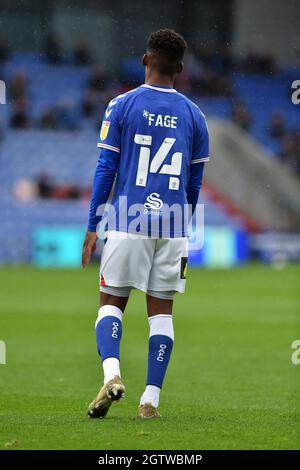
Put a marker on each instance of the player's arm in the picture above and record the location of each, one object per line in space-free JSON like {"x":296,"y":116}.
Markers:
{"x":194,"y":184}
{"x":199,"y":157}
{"x":103,"y":181}
{"x":109,"y":142}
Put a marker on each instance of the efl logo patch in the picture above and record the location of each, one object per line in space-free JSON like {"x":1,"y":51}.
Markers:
{"x":183,"y":269}
{"x":104,"y":130}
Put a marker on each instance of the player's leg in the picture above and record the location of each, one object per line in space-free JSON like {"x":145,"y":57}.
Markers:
{"x":161,"y":338}
{"x":108,"y":327}
{"x":113,"y":301}
{"x":167,"y":277}
{"x":125,"y":263}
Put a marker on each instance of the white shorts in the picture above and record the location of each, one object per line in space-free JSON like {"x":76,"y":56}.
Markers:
{"x":147,"y":264}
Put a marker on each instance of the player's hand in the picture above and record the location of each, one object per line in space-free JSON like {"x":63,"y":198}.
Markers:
{"x":89,"y":246}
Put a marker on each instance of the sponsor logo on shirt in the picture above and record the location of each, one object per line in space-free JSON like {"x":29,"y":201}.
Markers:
{"x":153,"y":202}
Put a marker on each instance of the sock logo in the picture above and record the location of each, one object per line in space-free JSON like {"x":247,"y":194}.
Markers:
{"x":161,"y":352}
{"x":115,"y":329}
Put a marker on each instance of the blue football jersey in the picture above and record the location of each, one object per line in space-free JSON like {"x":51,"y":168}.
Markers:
{"x":157,"y":134}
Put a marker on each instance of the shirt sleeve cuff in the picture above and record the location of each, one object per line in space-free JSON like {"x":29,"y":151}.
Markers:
{"x":109,"y":147}
{"x":199,"y":160}
{"x":92,"y":227}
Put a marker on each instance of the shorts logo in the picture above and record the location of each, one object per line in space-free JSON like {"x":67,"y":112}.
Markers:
{"x":153,"y":202}
{"x":102,"y":280}
{"x":183,"y":268}
{"x":104,"y":130}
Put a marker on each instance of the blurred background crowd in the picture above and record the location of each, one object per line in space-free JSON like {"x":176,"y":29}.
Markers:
{"x":211,"y":71}
{"x":68,"y":60}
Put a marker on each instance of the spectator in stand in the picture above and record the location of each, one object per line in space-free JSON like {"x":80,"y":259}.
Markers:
{"x":1,"y":131}
{"x":225,"y":59}
{"x":4,"y":51}
{"x":98,"y":80}
{"x":18,"y":87}
{"x":48,"y":120}
{"x":82,"y":55}
{"x":193,"y":67}
{"x":96,"y":94}
{"x":52,"y":49}
{"x":205,"y":55}
{"x":66,"y":116}
{"x":46,"y":189}
{"x":258,"y":63}
{"x":25,"y":190}
{"x":89,"y":103}
{"x":19,"y":118}
{"x":290,"y":152}
{"x":211,"y":79}
{"x":277,"y":125}
{"x":241,"y":116}
{"x":44,"y":186}
{"x":297,"y":150}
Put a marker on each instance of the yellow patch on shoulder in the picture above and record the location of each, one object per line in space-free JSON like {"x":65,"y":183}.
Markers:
{"x":104,"y":130}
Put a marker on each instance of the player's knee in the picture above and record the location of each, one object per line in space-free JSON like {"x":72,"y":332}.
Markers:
{"x":109,"y":299}
{"x":156,"y":306}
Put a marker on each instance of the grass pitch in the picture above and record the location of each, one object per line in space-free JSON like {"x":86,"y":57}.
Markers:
{"x":230,"y":385}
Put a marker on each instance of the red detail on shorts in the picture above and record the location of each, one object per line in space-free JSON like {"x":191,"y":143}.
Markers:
{"x":102,"y":280}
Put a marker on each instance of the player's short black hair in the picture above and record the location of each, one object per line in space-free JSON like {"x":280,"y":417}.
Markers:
{"x":169,"y":47}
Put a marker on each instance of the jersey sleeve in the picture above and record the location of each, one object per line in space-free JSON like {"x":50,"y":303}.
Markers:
{"x":201,"y":139}
{"x":110,"y":132}
{"x":103,"y":180}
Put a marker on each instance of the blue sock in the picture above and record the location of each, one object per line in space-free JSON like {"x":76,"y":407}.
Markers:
{"x":109,"y":331}
{"x":160,"y":347}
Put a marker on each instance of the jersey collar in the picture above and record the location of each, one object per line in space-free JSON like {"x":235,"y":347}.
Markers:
{"x":157,"y":88}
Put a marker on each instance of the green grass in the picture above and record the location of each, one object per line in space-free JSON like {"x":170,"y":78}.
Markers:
{"x":230,"y":384}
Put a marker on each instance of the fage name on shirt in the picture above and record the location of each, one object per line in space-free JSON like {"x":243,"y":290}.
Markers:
{"x":161,"y":120}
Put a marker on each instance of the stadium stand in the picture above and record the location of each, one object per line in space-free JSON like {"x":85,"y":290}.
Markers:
{"x":67,"y":154}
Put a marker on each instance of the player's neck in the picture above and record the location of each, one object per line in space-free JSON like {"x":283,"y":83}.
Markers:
{"x":156,"y":79}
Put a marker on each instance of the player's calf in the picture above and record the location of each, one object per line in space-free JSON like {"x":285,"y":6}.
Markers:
{"x":108,"y":334}
{"x":161,"y":339}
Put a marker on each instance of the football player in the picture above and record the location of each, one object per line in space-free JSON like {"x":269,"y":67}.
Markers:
{"x":153,"y":143}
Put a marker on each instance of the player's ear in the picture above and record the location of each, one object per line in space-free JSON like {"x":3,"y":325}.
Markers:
{"x":179,"y":67}
{"x":145,"y":60}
